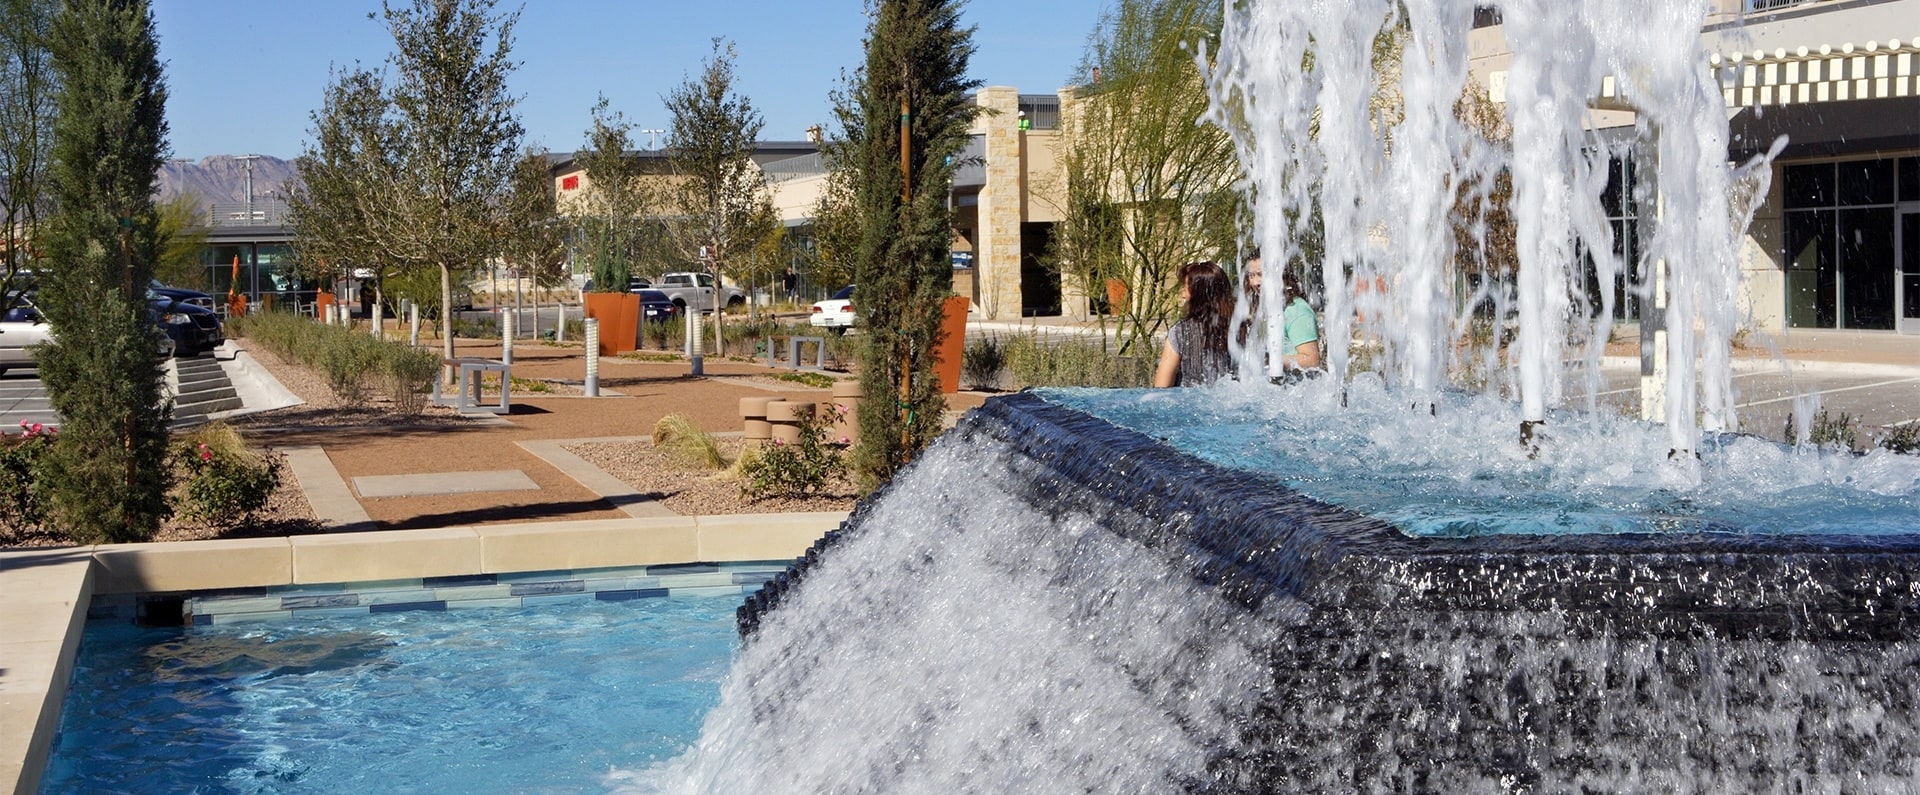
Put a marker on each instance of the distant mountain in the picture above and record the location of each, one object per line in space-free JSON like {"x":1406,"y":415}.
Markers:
{"x":223,"y":178}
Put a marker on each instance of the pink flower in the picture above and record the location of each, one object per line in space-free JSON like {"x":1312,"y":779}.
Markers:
{"x":36,"y":426}
{"x":845,"y":440}
{"x":206,"y":456}
{"x":779,"y":443}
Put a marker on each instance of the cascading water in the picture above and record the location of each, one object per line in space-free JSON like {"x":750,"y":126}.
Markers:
{"x":1064,"y":595}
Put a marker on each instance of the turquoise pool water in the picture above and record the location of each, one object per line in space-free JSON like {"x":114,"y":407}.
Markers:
{"x":548,"y":699}
{"x":1457,"y":468}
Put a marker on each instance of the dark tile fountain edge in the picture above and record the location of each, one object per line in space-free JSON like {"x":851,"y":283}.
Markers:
{"x":1257,"y":539}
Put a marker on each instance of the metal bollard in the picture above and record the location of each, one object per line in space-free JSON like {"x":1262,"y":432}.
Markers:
{"x":413,"y":321}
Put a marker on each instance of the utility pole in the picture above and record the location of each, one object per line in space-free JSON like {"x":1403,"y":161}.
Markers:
{"x":653,"y":139}
{"x":247,"y":160}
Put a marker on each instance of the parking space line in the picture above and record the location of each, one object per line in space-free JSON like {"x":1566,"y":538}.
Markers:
{"x":1791,"y":398}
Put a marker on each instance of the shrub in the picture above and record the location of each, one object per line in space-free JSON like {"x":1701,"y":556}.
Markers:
{"x":981,"y":363}
{"x":677,"y":434}
{"x":1034,"y":361}
{"x":1902,"y":438}
{"x":352,"y":362}
{"x":23,"y":501}
{"x":796,"y":470}
{"x":1826,"y":430}
{"x":665,"y":334}
{"x":222,"y":483}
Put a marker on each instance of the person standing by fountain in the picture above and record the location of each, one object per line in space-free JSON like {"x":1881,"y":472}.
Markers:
{"x":1302,"y":329}
{"x":1195,"y":352}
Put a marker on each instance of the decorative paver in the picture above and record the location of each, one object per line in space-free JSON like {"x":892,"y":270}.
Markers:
{"x":431,"y":483}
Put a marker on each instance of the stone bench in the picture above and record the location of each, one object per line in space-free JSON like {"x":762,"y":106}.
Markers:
{"x":794,"y":344}
{"x":466,"y":398}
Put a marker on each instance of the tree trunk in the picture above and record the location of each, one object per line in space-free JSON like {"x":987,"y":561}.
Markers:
{"x":446,"y":321}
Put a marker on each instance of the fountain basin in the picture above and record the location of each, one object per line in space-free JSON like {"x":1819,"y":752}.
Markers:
{"x":1718,"y":660}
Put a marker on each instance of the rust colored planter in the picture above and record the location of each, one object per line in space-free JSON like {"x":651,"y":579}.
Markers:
{"x":953,"y":343}
{"x":619,"y":316}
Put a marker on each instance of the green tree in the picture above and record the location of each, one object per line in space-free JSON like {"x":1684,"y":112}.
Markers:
{"x":1147,"y":187}
{"x":904,"y":121}
{"x":26,"y":116}
{"x":535,"y":243}
{"x":836,"y":231}
{"x":181,"y":238}
{"x":103,"y":367}
{"x":456,"y":138}
{"x":612,"y":211}
{"x":722,"y":198}
{"x":346,"y":170}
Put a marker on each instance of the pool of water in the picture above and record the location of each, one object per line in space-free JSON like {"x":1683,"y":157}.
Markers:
{"x":546,"y":699}
{"x":1457,"y":469}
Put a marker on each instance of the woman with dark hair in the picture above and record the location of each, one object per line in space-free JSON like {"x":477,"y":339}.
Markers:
{"x":1300,"y":346}
{"x":1196,"y":349}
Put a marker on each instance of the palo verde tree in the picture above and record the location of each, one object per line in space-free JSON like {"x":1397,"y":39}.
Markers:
{"x":904,"y":120}
{"x":456,"y":137}
{"x":107,"y":471}
{"x":26,"y":141}
{"x":720,"y":195}
{"x":611,"y":212}
{"x":1147,"y":187}
{"x":346,"y":176}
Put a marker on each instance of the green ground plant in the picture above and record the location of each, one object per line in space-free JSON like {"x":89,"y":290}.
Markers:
{"x":1827,"y":430}
{"x":1041,"y":360}
{"x":815,"y":380}
{"x":981,"y":363}
{"x":795,"y":471}
{"x":221,"y":483}
{"x":23,"y":497}
{"x":1903,"y":439}
{"x":355,"y":364}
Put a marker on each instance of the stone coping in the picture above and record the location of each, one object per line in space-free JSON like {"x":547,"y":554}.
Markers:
{"x":44,"y":592}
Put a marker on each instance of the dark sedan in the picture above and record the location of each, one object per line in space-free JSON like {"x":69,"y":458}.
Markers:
{"x":192,"y":328}
{"x":657,"y":307}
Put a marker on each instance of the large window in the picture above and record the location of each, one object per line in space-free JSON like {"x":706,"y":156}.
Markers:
{"x":1623,"y":215}
{"x":1840,"y":253}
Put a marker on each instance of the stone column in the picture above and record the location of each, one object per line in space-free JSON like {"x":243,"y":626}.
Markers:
{"x":997,"y":239}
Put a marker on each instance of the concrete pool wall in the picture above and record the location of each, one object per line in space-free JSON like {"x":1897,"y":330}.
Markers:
{"x":45,"y":593}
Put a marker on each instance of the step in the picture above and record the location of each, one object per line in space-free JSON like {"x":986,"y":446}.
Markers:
{"x":202,"y":408}
{"x":205,"y":394}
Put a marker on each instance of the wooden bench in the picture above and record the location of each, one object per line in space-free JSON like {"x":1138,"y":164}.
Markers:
{"x":466,"y":397}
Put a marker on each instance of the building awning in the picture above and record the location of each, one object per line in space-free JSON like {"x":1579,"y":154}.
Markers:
{"x":1827,"y":129}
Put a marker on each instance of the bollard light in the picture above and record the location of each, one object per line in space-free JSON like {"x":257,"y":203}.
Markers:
{"x":593,"y":357}
{"x":413,"y":322}
{"x":506,"y":337}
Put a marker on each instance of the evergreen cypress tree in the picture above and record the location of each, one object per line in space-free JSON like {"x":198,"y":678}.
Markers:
{"x":914,"y":83}
{"x":103,"y":367}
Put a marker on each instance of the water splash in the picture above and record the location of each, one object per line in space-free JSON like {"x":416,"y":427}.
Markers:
{"x":1346,"y":118}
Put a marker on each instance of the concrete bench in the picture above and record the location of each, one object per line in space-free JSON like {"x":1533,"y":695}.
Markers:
{"x":466,"y":398}
{"x":794,"y":344}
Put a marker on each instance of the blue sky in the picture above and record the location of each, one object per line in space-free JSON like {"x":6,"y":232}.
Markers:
{"x":243,"y":77}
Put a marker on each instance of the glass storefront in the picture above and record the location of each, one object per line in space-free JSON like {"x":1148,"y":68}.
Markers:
{"x":1847,"y":242}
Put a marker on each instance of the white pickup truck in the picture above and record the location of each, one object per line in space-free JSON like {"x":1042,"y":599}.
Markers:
{"x":696,"y":291}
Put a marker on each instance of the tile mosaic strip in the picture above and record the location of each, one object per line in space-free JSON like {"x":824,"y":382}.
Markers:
{"x":459,"y":592}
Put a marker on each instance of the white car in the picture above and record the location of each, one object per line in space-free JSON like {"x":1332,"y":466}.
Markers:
{"x":835,"y":313}
{"x":21,"y":328}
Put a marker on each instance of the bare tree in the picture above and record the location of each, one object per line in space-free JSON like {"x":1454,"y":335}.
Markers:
{"x":26,"y":114}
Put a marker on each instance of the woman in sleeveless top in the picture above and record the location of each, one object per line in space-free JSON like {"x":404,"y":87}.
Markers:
{"x":1195,"y":352}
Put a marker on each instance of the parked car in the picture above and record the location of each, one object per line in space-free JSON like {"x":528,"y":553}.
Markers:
{"x":192,"y":328}
{"x":835,"y":313}
{"x":183,"y":295}
{"x":657,"y":307}
{"x":187,"y":327}
{"x":696,"y":291}
{"x":21,"y":328}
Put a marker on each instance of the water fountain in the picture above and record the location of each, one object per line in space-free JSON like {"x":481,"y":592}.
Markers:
{"x":1255,"y":589}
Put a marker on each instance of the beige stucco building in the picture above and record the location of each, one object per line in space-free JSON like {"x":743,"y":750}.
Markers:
{"x":1835,"y":242}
